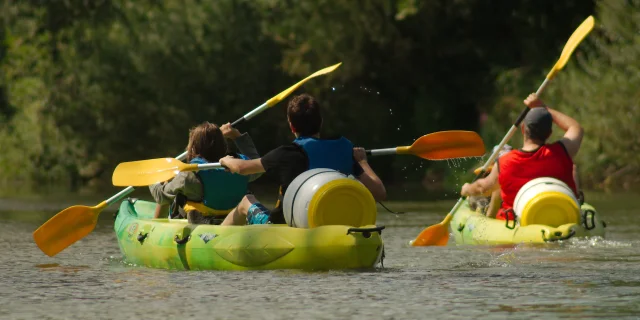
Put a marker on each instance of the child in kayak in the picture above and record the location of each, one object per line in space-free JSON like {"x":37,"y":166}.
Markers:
{"x":206,"y":197}
{"x":536,"y":159}
{"x":306,"y":152}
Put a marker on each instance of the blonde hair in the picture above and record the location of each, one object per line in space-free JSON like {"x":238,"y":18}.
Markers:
{"x":206,"y":141}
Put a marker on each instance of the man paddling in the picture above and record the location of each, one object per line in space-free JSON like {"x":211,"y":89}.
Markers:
{"x":536,"y":159}
{"x":306,"y":152}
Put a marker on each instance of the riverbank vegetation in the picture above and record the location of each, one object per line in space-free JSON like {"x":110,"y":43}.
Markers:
{"x":88,"y":84}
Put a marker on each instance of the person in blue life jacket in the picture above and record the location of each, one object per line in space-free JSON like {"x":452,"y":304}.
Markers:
{"x":207,"y":196}
{"x":308,"y":151}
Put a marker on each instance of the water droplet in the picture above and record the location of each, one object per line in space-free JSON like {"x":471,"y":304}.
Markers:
{"x":333,"y":88}
{"x":378,"y":92}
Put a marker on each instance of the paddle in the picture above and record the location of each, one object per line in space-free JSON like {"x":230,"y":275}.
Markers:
{"x":74,"y":223}
{"x":440,"y":146}
{"x":439,"y":234}
{"x":434,"y":146}
{"x":273,"y":101}
{"x":147,"y":172}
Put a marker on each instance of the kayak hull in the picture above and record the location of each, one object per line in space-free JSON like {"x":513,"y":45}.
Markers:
{"x":470,"y":227}
{"x":176,"y":244}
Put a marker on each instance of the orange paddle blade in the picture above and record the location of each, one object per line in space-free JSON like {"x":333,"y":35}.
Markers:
{"x":446,"y":145}
{"x":67,"y":227}
{"x":435,"y":235}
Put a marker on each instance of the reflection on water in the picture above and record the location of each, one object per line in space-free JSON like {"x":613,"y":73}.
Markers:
{"x":573,"y":279}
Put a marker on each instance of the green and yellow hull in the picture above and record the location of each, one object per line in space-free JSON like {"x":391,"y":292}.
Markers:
{"x":470,"y":227}
{"x":176,"y":244}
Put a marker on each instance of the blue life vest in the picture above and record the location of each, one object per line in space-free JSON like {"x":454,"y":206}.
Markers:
{"x":222,"y":190}
{"x":336,"y":154}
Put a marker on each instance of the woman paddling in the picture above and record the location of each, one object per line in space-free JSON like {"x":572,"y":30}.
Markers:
{"x":206,"y":197}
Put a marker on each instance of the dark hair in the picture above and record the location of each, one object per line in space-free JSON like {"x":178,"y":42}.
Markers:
{"x":206,"y":141}
{"x":303,"y":112}
{"x":535,"y":135}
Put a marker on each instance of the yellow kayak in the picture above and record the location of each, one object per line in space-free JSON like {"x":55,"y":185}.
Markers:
{"x":470,"y":227}
{"x":175,"y":244}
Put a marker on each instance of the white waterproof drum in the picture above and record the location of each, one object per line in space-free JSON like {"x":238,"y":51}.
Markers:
{"x":321,"y":197}
{"x":546,"y":201}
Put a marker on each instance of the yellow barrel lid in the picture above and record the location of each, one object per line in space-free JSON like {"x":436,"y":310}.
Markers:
{"x":342,"y":202}
{"x":551,"y":208}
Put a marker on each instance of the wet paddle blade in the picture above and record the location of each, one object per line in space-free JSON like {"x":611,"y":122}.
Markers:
{"x":67,"y":227}
{"x":146,"y":172}
{"x":287,"y":92}
{"x":435,"y":235}
{"x":447,"y":145}
{"x":581,"y":32}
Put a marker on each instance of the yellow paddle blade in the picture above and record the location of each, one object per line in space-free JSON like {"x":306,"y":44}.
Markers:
{"x":581,"y":32}
{"x":148,"y":172}
{"x":67,"y":227}
{"x":435,"y":235}
{"x":446,"y":145}
{"x":271,"y":102}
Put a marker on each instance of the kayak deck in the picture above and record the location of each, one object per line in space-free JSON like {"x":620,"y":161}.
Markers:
{"x":176,"y":244}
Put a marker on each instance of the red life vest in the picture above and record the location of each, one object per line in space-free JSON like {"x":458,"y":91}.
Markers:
{"x":517,"y":167}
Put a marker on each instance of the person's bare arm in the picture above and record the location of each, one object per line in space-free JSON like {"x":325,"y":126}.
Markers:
{"x":243,"y":167}
{"x":481,"y":186}
{"x":244,"y":143}
{"x":369,"y":178}
{"x":573,"y":132}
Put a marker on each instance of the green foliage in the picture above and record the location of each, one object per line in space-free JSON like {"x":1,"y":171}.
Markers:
{"x":602,"y":92}
{"x":35,"y":150}
{"x":86,"y":85}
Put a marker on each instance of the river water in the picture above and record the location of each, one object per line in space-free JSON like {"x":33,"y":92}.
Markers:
{"x":576,"y":280}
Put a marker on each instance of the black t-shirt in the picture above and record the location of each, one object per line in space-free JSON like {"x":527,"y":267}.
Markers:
{"x":286,"y":163}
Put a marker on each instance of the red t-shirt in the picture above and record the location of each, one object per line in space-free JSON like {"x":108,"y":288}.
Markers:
{"x":518,"y":167}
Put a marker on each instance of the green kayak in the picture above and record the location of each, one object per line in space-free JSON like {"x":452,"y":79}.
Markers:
{"x":176,"y":244}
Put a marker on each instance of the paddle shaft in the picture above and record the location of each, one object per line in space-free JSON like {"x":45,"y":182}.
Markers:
{"x":270,"y":103}
{"x":381,"y":152}
{"x":274,"y":100}
{"x":249,"y":115}
{"x":504,"y":141}
{"x":256,"y":111}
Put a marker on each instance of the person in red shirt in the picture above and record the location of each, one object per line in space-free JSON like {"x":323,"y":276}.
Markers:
{"x":536,"y":159}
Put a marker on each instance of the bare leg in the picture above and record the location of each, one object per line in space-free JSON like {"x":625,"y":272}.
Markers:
{"x":494,"y":204}
{"x":576,"y":177}
{"x":576,"y":180}
{"x":160,"y":209}
{"x":238,"y":216}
